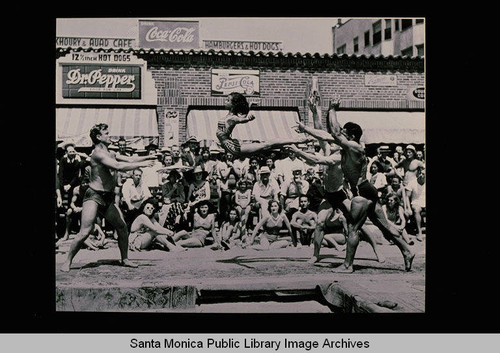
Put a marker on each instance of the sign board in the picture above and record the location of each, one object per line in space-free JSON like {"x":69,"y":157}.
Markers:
{"x":235,"y":45}
{"x":381,"y":80}
{"x":241,"y":81}
{"x":169,"y":34}
{"x":101,"y":81}
{"x":416,"y":93}
{"x":87,"y":42}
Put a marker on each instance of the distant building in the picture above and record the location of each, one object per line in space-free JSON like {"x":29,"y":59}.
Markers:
{"x":380,"y":36}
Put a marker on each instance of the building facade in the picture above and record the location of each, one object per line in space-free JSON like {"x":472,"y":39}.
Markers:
{"x":163,"y":96}
{"x":387,"y":36}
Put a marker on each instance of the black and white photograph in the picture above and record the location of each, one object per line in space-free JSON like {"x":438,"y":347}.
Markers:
{"x":247,"y":183}
{"x":240,"y":165}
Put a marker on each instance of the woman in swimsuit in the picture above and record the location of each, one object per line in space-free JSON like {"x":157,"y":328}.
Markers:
{"x":239,"y":109}
{"x":203,"y":225}
{"x":272,"y":225}
{"x":145,"y":231}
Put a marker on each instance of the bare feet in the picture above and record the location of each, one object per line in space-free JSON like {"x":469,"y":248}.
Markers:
{"x":128,"y":263}
{"x":343,"y":269}
{"x":408,"y":261}
{"x":65,"y":266}
{"x":312,"y":260}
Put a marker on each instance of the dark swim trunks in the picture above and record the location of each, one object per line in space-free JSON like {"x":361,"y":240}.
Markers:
{"x":335,"y":198}
{"x":368,"y":191}
{"x":103,"y":198}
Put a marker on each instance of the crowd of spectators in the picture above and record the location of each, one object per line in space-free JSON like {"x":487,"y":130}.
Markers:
{"x":203,"y":196}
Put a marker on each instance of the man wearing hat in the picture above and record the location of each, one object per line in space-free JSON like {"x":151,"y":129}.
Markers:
{"x":411,"y":165}
{"x":189,"y":155}
{"x":265,"y":190}
{"x":292,"y":189}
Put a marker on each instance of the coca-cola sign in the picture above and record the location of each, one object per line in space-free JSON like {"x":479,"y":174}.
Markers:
{"x":169,"y":34}
{"x":101,"y":81}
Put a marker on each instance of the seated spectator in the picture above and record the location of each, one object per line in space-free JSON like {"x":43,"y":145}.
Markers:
{"x":199,"y":187}
{"x":204,"y":161}
{"x":335,"y":230}
{"x":232,"y":232}
{"x":304,"y":222}
{"x":134,"y":193}
{"x":203,"y":226}
{"x":395,"y":215}
{"x":145,"y":231}
{"x":271,"y":225}
{"x":291,"y":189}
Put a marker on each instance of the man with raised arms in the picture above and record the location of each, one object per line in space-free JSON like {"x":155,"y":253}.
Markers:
{"x":365,"y":201}
{"x":99,"y":197}
{"x":333,"y":183}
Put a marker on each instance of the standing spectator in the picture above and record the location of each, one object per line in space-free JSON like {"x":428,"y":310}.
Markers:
{"x":272,"y":167}
{"x":416,"y":196}
{"x":411,"y":165}
{"x":204,"y":161}
{"x":150,"y":176}
{"x":174,"y":197}
{"x":240,"y":164}
{"x":264,"y":191}
{"x":252,"y":172}
{"x":291,"y":190}
{"x":134,"y":193}
{"x":177,"y":161}
{"x":288,"y":164}
{"x":420,"y":156}
{"x":69,"y":173}
{"x":377,"y":177}
{"x":122,"y":148}
{"x":190,"y":154}
{"x":242,"y":199}
{"x":386,"y":163}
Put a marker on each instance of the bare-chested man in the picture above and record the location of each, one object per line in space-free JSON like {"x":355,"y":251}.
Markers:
{"x":333,"y":184}
{"x":365,"y":201}
{"x":99,"y":197}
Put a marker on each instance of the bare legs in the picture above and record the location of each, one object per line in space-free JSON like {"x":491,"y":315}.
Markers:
{"x":89,"y":214}
{"x":249,"y":148}
{"x":361,"y":208}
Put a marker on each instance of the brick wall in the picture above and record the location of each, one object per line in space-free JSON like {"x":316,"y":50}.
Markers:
{"x":179,"y":87}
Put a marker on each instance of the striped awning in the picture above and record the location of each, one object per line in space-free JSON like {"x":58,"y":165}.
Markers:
{"x":74,"y":124}
{"x":387,"y":126}
{"x":268,"y":125}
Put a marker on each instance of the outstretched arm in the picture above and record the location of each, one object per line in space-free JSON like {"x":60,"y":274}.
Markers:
{"x":241,"y":119}
{"x":133,"y":159}
{"x":316,"y":159}
{"x":108,"y":161}
{"x":313,"y":103}
{"x":319,"y":134}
